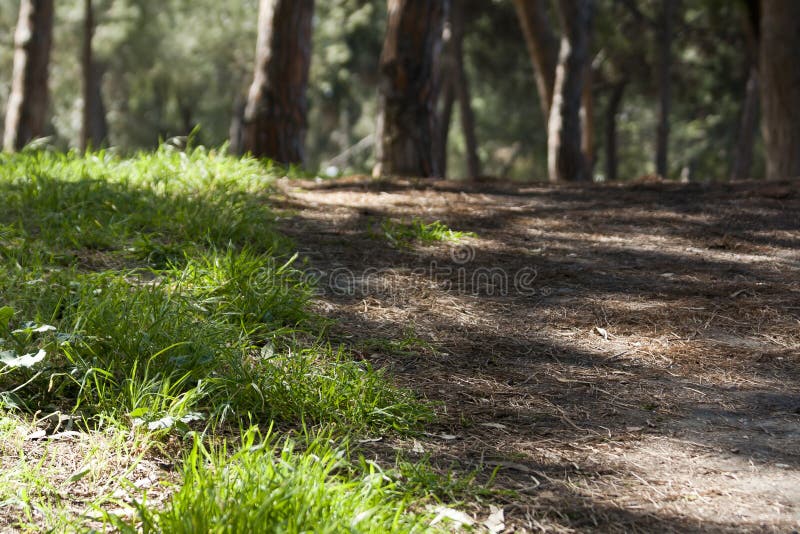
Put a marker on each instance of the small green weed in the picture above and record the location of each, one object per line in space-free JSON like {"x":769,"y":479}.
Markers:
{"x":422,"y":479}
{"x":408,"y":345}
{"x":402,"y":235}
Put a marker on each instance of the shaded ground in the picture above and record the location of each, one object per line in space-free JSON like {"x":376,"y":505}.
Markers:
{"x":628,"y":356}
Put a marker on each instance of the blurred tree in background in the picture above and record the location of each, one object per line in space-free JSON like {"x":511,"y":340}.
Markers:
{"x":166,"y":67}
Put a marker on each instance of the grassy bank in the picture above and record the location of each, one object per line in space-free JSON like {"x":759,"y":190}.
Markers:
{"x":152,"y":319}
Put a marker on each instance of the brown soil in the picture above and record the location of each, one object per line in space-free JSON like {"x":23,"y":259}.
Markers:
{"x":641,"y":375}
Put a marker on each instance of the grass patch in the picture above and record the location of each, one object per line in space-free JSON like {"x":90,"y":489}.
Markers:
{"x":150,"y":298}
{"x":409,"y":345}
{"x":267,"y":486}
{"x":402,"y":235}
{"x":63,"y":485}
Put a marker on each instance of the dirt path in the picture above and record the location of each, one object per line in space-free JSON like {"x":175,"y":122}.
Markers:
{"x":629,"y":356}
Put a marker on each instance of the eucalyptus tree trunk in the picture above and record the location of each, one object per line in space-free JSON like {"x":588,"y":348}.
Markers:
{"x":94,"y":128}
{"x":565,"y":158}
{"x":407,"y":133}
{"x":27,"y":104}
{"x":275,"y":113}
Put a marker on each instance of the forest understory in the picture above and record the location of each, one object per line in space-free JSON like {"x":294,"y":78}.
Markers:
{"x":622,"y":358}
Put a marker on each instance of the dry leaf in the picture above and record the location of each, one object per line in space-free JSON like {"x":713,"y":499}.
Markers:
{"x":39,"y":434}
{"x":602,"y":331}
{"x":460,"y":518}
{"x":496,"y":521}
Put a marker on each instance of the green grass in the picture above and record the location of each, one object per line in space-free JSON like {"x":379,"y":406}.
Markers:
{"x":408,"y":345}
{"x":152,"y":299}
{"x":269,"y":486}
{"x":402,"y":235}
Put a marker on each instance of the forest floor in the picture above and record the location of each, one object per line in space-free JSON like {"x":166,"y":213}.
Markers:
{"x":626,"y":358}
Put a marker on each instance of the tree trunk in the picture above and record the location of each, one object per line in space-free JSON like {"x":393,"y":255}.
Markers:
{"x":94,"y":129}
{"x":612,"y":111}
{"x":445,"y":116}
{"x":185,"y":109}
{"x":779,"y":70}
{"x":742,"y":160}
{"x":463,"y":92}
{"x":743,"y":156}
{"x":542,"y":47}
{"x":565,"y":159}
{"x":407,"y":133}
{"x":664,"y":85}
{"x":236,"y":128}
{"x":587,"y":121}
{"x":448,"y":95}
{"x":27,"y":103}
{"x":275,"y":114}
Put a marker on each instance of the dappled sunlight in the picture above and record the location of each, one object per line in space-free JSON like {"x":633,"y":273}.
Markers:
{"x":650,"y":370}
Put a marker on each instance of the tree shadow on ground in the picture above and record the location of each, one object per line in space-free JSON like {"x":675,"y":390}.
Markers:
{"x":701,"y":358}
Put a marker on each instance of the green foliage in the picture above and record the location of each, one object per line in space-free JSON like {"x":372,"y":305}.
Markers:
{"x":402,"y":235}
{"x":154,"y":294}
{"x":444,"y":485}
{"x":162,"y":78}
{"x":272,"y":487}
{"x":408,"y":345}
{"x":172,"y":299}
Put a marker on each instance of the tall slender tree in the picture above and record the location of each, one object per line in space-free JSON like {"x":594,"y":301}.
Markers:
{"x":456,"y":85}
{"x":407,"y":132}
{"x":780,"y":87}
{"x":664,"y":35}
{"x":748,"y":126}
{"x":565,"y":158}
{"x":462,"y":90}
{"x":544,"y":49}
{"x":612,"y":112}
{"x":94,"y":128}
{"x":742,"y":160}
{"x":275,"y":113}
{"x":27,"y":104}
{"x":542,"y":46}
